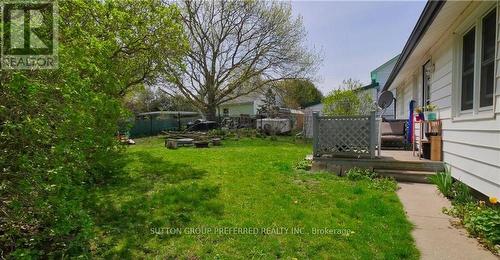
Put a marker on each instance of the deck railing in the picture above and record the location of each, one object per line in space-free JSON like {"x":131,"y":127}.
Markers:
{"x":345,"y":136}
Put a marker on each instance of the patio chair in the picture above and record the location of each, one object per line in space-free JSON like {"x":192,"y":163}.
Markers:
{"x":393,"y":134}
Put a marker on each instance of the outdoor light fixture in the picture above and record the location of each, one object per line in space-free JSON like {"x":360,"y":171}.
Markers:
{"x":430,"y":70}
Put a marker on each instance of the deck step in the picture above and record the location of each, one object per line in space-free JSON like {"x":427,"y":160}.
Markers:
{"x":386,"y":164}
{"x":405,"y":175}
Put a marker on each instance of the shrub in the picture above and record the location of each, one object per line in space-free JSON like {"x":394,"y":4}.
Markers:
{"x":303,"y":165}
{"x":348,"y":101}
{"x":219,"y":133}
{"x":58,"y":127}
{"x":249,"y":132}
{"x":443,"y":181}
{"x":54,"y":145}
{"x":234,"y":133}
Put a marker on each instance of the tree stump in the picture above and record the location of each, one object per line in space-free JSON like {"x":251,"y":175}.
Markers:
{"x":216,"y":141}
{"x":201,"y":144}
{"x":171,"y":144}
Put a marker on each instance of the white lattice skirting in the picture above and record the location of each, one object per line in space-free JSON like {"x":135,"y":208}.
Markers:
{"x":347,"y":136}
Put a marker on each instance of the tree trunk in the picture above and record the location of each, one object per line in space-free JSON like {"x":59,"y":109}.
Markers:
{"x":211,"y":113}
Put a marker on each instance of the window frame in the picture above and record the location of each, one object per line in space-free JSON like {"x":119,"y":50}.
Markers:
{"x":475,"y":21}
{"x":474,"y":70}
{"x":480,"y":64}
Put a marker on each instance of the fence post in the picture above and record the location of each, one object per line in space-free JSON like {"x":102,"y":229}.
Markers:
{"x":315,"y":133}
{"x":179,"y":126}
{"x":373,"y":134}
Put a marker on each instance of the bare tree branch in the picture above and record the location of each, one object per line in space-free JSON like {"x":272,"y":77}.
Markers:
{"x":238,"y":47}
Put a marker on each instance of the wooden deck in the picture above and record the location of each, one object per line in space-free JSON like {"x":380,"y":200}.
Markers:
{"x":401,"y":165}
{"x":399,"y":155}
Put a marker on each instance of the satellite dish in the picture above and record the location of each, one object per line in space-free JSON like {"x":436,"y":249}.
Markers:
{"x":385,"y":99}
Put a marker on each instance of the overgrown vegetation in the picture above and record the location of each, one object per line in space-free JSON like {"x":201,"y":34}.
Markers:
{"x":479,"y":218}
{"x":234,"y":133}
{"x":304,"y":165}
{"x":58,"y":127}
{"x":375,"y":181}
{"x":356,"y":174}
{"x":348,"y":100}
{"x":298,"y":93}
{"x":460,"y":193}
{"x":147,"y":99}
{"x":444,"y":182}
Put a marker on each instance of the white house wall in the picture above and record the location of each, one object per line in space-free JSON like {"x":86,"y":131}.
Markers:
{"x":471,"y":148}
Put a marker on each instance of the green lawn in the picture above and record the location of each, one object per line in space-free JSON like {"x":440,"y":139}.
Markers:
{"x":243,"y":184}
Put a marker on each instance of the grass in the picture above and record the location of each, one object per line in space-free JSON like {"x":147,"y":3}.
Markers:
{"x":243,"y":184}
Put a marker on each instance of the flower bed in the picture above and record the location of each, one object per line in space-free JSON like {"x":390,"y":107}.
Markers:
{"x":480,"y":218}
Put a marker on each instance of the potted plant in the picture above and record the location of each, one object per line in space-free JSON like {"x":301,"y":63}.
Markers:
{"x":419,"y":114}
{"x":430,"y":112}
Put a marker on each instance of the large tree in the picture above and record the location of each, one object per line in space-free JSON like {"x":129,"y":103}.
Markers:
{"x":146,"y":99}
{"x":298,"y":93}
{"x":237,"y":47}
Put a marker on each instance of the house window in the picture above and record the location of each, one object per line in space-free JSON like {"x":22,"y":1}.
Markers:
{"x":477,"y":64}
{"x":487,"y":60}
{"x":468,"y":70}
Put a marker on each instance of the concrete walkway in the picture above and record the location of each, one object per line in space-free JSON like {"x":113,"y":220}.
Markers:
{"x":434,"y":235}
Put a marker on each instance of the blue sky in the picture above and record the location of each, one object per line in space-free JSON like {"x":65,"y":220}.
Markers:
{"x":356,"y":37}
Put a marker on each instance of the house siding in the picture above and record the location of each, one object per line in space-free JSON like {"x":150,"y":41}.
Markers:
{"x":381,"y":75}
{"x":238,"y":109}
{"x":470,"y":148}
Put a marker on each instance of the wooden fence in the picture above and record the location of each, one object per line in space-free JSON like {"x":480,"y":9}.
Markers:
{"x":345,"y":136}
{"x":308,"y":125}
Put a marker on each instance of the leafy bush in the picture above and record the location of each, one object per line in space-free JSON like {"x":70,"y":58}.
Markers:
{"x":480,"y":220}
{"x":220,"y":133}
{"x":58,"y":127}
{"x":249,"y":132}
{"x":443,"y":181}
{"x":347,"y":101}
{"x":303,"y":165}
{"x":234,"y":133}
{"x":356,"y":174}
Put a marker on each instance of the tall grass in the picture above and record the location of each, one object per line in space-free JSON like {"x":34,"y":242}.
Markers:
{"x":444,"y":182}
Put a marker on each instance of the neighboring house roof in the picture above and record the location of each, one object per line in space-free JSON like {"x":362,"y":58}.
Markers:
{"x":372,"y":85}
{"x":168,"y":113}
{"x":374,"y":73}
{"x":296,"y":111}
{"x":430,"y":12}
{"x":245,"y":99}
{"x":317,"y":107}
{"x":395,"y":58}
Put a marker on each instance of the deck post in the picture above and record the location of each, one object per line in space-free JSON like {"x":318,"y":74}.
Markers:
{"x":373,"y":134}
{"x":315,"y":133}
{"x":379,"y":136}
